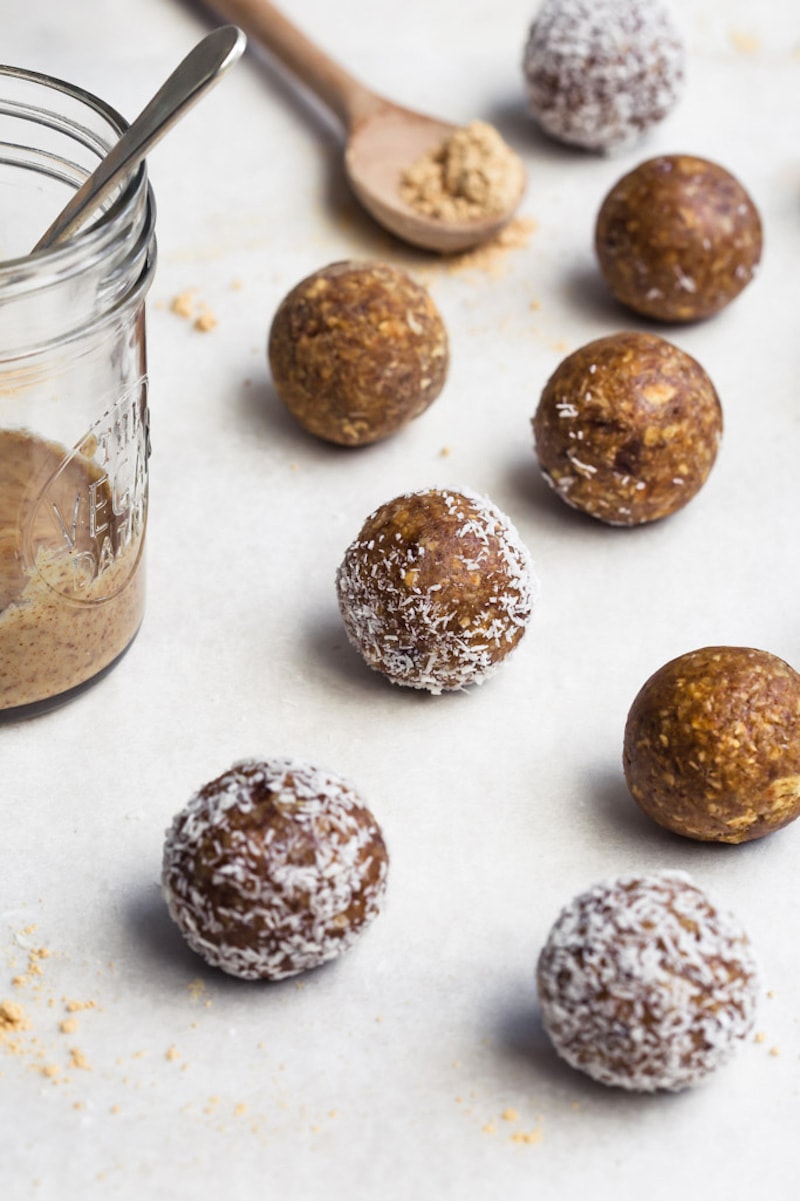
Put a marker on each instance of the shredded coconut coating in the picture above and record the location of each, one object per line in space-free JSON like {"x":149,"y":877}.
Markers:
{"x":645,"y":985}
{"x":273,"y":868}
{"x":600,"y":73}
{"x":436,"y":590}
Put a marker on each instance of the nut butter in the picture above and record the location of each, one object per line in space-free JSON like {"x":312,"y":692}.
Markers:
{"x":74,"y":438}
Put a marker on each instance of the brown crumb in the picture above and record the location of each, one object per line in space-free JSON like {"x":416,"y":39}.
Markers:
{"x":472,"y":174}
{"x":51,"y":1070}
{"x":760,"y":1037}
{"x":206,"y":321}
{"x":196,"y":988}
{"x":172,"y":1053}
{"x":183,"y":303}
{"x":445,"y":452}
{"x":68,"y":1026}
{"x":510,"y":1115}
{"x":77,"y":1059}
{"x":745,"y":43}
{"x":240,"y":1110}
{"x":527,"y":1136}
{"x":77,"y":1006}
{"x":12,"y":1018}
{"x":774,"y":1051}
{"x":488,"y":1128}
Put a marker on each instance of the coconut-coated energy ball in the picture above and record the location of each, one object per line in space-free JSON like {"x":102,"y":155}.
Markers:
{"x":357,"y":350}
{"x":627,"y":428}
{"x":678,"y":238}
{"x":601,"y":73}
{"x":712,"y":744}
{"x":436,"y":590}
{"x":644,"y":984}
{"x":273,"y":868}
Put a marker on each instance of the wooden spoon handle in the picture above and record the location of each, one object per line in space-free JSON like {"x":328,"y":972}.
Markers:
{"x":332,"y":84}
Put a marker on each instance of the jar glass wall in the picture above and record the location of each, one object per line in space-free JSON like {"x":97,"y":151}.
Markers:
{"x":73,"y":400}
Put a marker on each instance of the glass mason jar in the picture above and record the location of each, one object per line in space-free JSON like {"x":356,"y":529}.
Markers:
{"x":73,"y":399}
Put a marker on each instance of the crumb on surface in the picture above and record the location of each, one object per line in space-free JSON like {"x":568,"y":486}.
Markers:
{"x":491,"y":256}
{"x":206,"y":321}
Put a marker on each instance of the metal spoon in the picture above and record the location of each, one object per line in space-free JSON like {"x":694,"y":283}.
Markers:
{"x":384,"y":138}
{"x":201,"y":68}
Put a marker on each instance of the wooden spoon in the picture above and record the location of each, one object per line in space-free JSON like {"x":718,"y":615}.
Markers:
{"x":384,"y":138}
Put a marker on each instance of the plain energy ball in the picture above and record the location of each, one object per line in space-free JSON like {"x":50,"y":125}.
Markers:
{"x":627,"y":428}
{"x":357,"y":350}
{"x":436,"y":590}
{"x":712,"y":744}
{"x":601,"y":73}
{"x":678,"y":238}
{"x":274,"y":868}
{"x":645,"y":985}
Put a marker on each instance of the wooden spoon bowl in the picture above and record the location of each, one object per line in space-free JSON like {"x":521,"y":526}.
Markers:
{"x":383,"y":138}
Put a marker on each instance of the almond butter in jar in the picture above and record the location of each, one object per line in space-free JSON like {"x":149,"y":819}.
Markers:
{"x":73,"y":400}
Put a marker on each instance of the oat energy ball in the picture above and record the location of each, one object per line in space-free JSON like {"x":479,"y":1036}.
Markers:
{"x":436,"y":590}
{"x":273,"y":868}
{"x":678,"y":238}
{"x":357,"y":350}
{"x":712,"y":744}
{"x":601,"y":73}
{"x":627,"y":428}
{"x":644,"y":984}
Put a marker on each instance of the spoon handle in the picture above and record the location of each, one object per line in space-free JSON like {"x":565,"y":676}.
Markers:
{"x":340,"y":91}
{"x":201,"y":68}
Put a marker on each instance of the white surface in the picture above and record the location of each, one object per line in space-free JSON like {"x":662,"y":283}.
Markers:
{"x":376,"y":1076}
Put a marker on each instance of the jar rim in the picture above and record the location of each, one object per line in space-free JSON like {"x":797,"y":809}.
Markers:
{"x":90,"y":240}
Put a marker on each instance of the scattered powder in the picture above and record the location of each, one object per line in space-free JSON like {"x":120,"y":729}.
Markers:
{"x":472,"y":174}
{"x":206,"y":321}
{"x":240,"y":1110}
{"x":77,"y":1059}
{"x":77,"y":1006}
{"x":527,"y":1136}
{"x":187,"y":305}
{"x":491,"y":257}
{"x":34,"y":969}
{"x":488,"y":1128}
{"x":745,"y":43}
{"x":13,"y":1019}
{"x":196,"y":988}
{"x":183,"y":303}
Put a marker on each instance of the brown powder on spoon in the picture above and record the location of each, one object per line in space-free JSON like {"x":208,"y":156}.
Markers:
{"x":472,"y":174}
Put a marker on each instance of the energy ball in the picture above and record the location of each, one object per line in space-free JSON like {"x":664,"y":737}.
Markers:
{"x":273,"y":868}
{"x":644,"y":984}
{"x":436,"y":590}
{"x":627,"y":428}
{"x":601,"y":73}
{"x":712,"y":745}
{"x":357,"y":350}
{"x":678,"y":238}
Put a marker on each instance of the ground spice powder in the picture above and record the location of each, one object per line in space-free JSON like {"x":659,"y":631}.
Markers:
{"x":472,"y":174}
